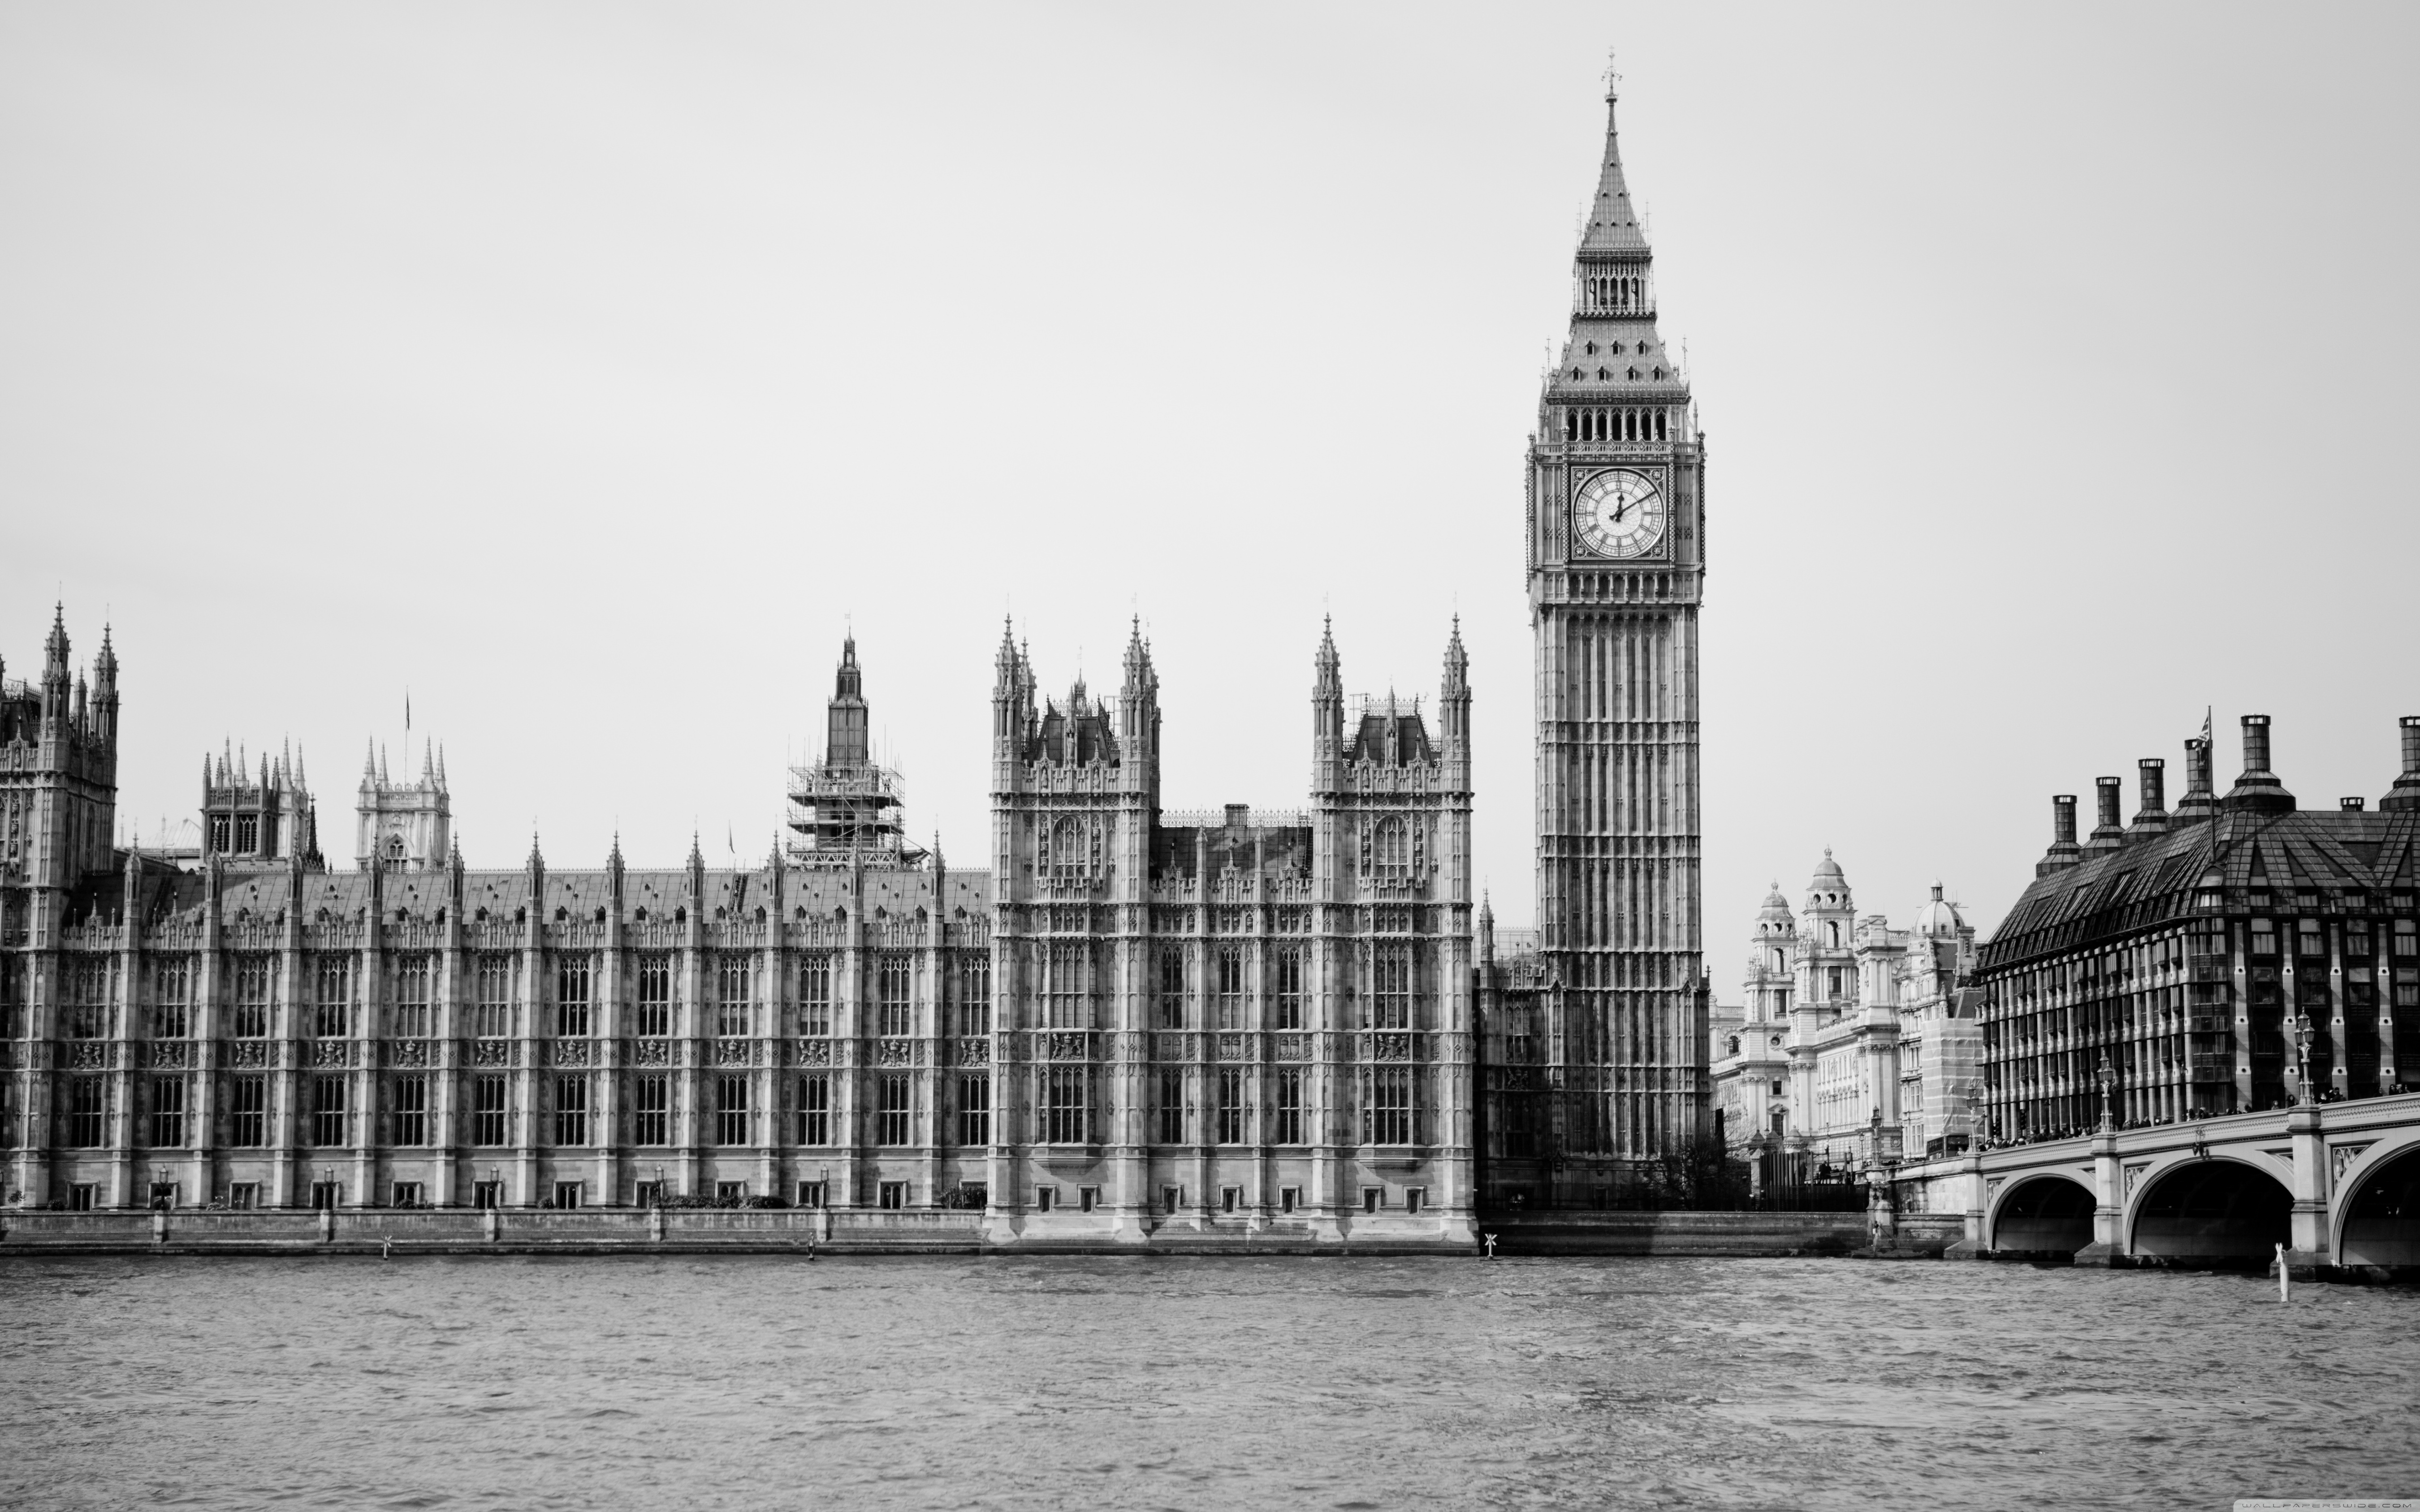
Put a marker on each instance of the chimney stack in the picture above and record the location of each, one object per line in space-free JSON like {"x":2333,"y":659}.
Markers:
{"x":2063,"y":851}
{"x":2153,"y":818}
{"x":2352,"y":805}
{"x":2109,"y":833}
{"x":2404,"y":798}
{"x":2200,"y":802}
{"x":2257,"y":790}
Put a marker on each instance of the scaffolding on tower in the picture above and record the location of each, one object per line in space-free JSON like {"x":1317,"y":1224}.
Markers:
{"x":847,"y":810}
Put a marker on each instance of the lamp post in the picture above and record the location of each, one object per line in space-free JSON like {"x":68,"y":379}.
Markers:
{"x":2302,"y":1058}
{"x":2109,"y":1079}
{"x":1974,"y":1115}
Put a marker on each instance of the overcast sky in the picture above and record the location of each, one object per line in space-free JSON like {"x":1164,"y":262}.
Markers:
{"x":586,"y":370}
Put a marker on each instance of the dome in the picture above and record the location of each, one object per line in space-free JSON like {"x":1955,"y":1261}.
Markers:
{"x":1774,"y":917}
{"x":1829,"y":887}
{"x":1939,"y":919}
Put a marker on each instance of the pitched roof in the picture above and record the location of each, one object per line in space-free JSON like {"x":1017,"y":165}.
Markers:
{"x":2153,"y":881}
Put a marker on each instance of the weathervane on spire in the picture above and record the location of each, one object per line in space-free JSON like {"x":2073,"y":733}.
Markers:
{"x":1612,"y":75}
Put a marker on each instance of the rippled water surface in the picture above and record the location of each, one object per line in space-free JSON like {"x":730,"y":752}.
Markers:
{"x":896,"y":1383}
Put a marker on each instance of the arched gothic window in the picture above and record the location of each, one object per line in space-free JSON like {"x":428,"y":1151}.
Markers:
{"x":1387,"y":853}
{"x":1072,"y":848}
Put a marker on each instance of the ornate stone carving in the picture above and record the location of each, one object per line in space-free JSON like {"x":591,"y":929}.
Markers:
{"x":815,"y":1053}
{"x":1234,"y":1047}
{"x":1391,"y":1047}
{"x":1067,"y":1046}
{"x":332,"y":1052}
{"x":410,"y":1053}
{"x":2341,"y":1156}
{"x":1294,"y":1047}
{"x":248,"y":1053}
{"x":974,"y":1051}
{"x":1176,"y":1047}
{"x":655,"y":1053}
{"x":170,"y":1054}
{"x":735,"y":1052}
{"x":571,"y":1052}
{"x":87,"y":1055}
{"x":894,"y":1052}
{"x":2134,"y":1174}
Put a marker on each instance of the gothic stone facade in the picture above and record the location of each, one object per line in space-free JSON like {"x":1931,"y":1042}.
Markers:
{"x":1207,"y":1027}
{"x":1615,"y":552}
{"x":1223,"y":1019}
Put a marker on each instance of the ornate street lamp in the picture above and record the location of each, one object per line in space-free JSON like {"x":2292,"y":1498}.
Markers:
{"x":2302,"y":1058}
{"x":2109,"y":1079}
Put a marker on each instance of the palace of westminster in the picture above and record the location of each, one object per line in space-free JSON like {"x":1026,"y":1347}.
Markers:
{"x":1141,"y":1024}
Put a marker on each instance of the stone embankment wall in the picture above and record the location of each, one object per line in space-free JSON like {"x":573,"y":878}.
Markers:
{"x":1746,"y":1234}
{"x":518,"y":1231}
{"x":504,"y":1231}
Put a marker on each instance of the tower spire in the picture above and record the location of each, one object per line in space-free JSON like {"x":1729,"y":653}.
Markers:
{"x":1613,"y":222}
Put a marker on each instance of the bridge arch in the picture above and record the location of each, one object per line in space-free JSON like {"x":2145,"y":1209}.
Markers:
{"x":2376,"y":1217}
{"x":2210,"y":1211}
{"x":2042,"y":1213}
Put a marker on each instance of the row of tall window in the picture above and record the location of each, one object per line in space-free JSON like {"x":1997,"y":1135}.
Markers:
{"x":1611,"y":294}
{"x":1616,"y":424}
{"x":1389,"y":1004}
{"x":2311,"y":938}
{"x":334,"y":996}
{"x":241,"y":833}
{"x":1064,"y":1107}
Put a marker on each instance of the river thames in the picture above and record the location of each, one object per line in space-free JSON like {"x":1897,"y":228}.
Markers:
{"x":893,"y":1382}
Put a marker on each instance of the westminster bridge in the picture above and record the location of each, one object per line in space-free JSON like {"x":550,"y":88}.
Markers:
{"x":2336,"y":1183}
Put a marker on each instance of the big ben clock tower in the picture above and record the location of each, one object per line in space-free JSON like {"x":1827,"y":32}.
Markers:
{"x":1616,"y":557}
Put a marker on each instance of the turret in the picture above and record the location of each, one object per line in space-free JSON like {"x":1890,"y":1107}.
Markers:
{"x":1011,"y":701}
{"x":105,"y":693}
{"x":54,"y":675}
{"x":846,"y":742}
{"x":1453,"y":706}
{"x":1139,"y":700}
{"x":1327,"y":700}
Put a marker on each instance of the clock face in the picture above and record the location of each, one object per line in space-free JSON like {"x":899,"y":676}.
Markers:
{"x":1618,"y":514}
